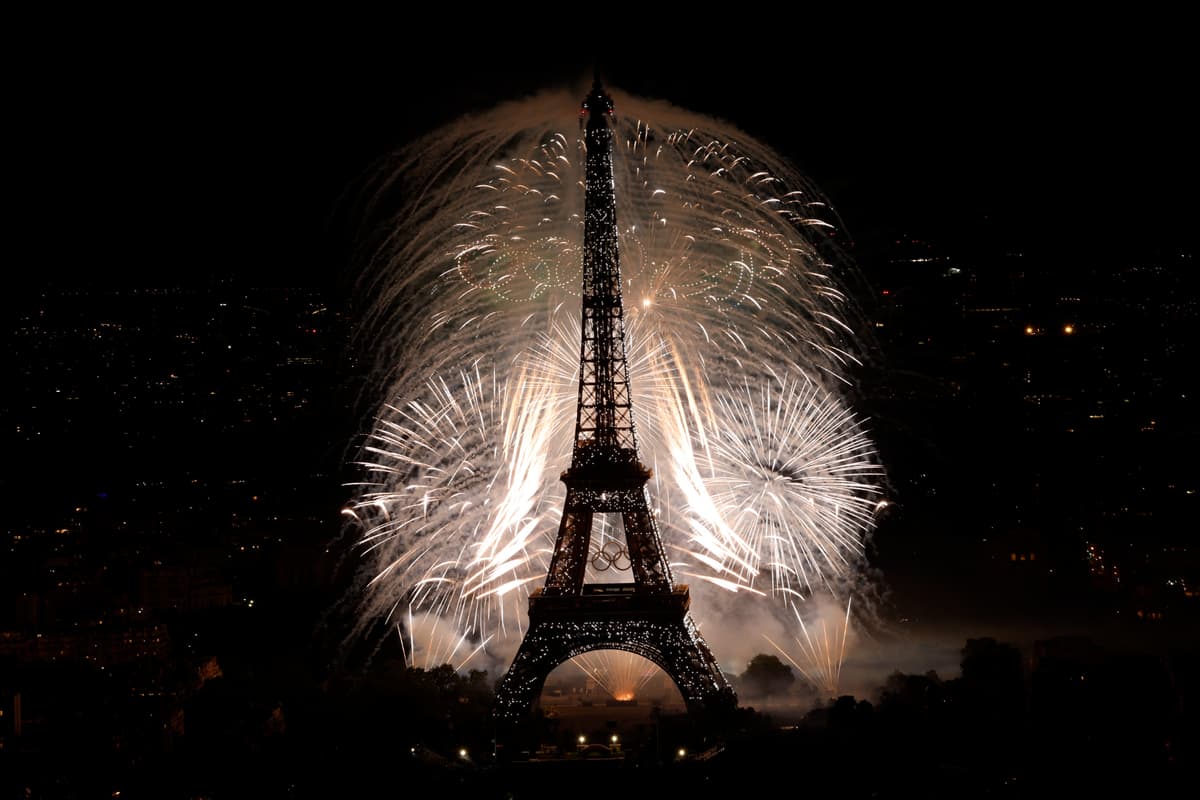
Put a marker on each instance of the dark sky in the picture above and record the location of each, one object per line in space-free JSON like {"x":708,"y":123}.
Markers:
{"x":163,"y":160}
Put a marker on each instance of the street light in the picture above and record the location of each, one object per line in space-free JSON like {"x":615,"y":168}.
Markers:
{"x":682,"y":752}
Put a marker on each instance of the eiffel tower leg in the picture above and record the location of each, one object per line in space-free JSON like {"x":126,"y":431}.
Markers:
{"x":646,"y":555}
{"x":569,"y":562}
{"x":521,"y":685}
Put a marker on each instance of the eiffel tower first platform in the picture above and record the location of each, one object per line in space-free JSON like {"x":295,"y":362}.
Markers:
{"x":567,"y":617}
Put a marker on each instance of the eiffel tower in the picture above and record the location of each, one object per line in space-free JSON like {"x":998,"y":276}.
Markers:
{"x":567,"y":617}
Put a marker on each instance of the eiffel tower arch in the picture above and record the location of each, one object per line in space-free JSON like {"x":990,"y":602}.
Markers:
{"x":657,"y":632}
{"x":568,"y":616}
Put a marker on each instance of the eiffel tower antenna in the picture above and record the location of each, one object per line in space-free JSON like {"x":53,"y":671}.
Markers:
{"x":568,"y":617}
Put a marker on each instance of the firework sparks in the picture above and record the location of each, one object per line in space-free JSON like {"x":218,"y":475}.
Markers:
{"x":429,"y":642}
{"x":764,"y":482}
{"x":457,"y":497}
{"x":620,"y":674}
{"x":780,"y":484}
{"x":822,"y":648}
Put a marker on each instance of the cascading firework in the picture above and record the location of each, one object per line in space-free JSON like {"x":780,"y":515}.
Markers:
{"x":620,"y":674}
{"x":765,"y":483}
{"x":820,"y":644}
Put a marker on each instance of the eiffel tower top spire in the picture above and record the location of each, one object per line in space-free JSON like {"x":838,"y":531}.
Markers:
{"x":604,"y":430}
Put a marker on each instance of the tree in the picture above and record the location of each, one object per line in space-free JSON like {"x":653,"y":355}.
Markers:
{"x":993,"y":684}
{"x":766,"y":675}
{"x":911,"y":698}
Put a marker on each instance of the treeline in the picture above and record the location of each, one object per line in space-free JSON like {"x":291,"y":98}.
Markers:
{"x":1073,"y":718}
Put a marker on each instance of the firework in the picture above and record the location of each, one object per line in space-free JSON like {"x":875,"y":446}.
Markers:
{"x":620,"y":674}
{"x":456,"y":501}
{"x":779,"y":485}
{"x":821,"y":646}
{"x":764,"y":482}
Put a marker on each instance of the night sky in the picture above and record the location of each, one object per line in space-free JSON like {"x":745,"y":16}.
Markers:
{"x":209,"y":150}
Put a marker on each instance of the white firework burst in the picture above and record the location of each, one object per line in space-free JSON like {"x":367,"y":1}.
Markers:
{"x":764,"y":483}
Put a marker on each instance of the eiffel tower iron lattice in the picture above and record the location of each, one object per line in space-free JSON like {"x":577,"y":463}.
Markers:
{"x":568,"y":617}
